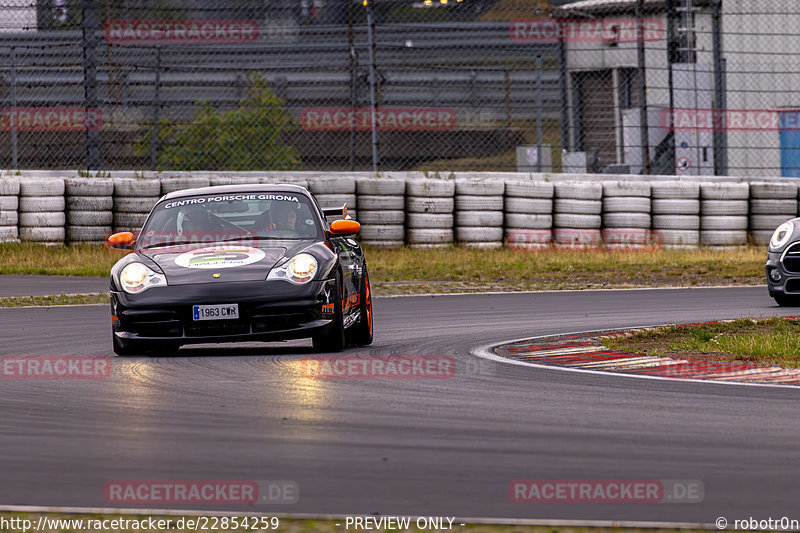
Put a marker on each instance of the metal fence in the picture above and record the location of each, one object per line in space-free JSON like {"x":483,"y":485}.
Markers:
{"x":686,"y":87}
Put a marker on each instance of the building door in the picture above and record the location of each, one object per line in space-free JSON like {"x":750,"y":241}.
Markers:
{"x":596,"y":105}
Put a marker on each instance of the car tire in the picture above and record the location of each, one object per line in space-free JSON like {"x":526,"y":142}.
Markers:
{"x":580,"y":190}
{"x":528,"y":189}
{"x":9,"y":187}
{"x":9,"y":218}
{"x":380,"y":187}
{"x":133,"y":204}
{"x":9,"y":203}
{"x":577,"y":207}
{"x":382,"y":217}
{"x":538,"y":206}
{"x":627,"y":189}
{"x":332,"y":338}
{"x":479,"y":187}
{"x":362,"y":332}
{"x":523,"y":221}
{"x":41,"y":204}
{"x":137,"y":187}
{"x":41,"y":187}
{"x":379,"y":203}
{"x":169,"y":185}
{"x":89,"y":187}
{"x":785,"y":300}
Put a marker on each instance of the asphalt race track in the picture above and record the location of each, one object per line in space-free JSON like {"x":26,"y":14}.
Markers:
{"x":446,"y":447}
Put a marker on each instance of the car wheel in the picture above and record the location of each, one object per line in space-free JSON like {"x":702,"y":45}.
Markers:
{"x":143,"y":347}
{"x":332,"y":338}
{"x":362,"y":332}
{"x":786,"y":301}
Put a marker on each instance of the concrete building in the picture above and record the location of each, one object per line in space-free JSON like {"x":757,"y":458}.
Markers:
{"x":751,"y":131}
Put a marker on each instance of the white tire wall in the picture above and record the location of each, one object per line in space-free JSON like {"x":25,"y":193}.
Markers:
{"x":528,"y":220}
{"x":576,"y":214}
{"x":41,"y":210}
{"x":9,"y":202}
{"x":90,"y":210}
{"x":479,"y":213}
{"x":723,"y":214}
{"x":134,"y":198}
{"x":626,"y":214}
{"x":675,"y":214}
{"x":430,"y":207}
{"x":381,"y":204}
{"x":771,"y":203}
{"x":232,"y":180}
{"x":169,"y":185}
{"x":332,"y":185}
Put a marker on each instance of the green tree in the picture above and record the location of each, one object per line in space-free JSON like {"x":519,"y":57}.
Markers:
{"x":248,"y":137}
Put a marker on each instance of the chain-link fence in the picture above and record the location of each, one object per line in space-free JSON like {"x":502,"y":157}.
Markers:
{"x":627,"y":86}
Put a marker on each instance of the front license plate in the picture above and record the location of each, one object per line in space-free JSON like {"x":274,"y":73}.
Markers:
{"x":215,"y":312}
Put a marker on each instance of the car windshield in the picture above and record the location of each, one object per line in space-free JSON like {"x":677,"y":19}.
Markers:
{"x":231,"y":216}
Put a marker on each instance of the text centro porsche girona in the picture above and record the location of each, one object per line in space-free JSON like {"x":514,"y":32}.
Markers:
{"x":240,"y":263}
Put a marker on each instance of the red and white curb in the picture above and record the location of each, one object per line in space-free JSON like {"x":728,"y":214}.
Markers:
{"x":584,"y":352}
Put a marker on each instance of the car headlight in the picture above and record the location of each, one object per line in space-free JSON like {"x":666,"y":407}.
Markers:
{"x":782,"y":234}
{"x":136,"y":278}
{"x":300,"y":269}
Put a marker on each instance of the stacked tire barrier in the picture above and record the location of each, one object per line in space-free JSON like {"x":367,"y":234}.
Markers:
{"x":429,"y":213}
{"x":232,"y":180}
{"x":528,"y":214}
{"x":471,"y":209}
{"x":90,"y":212}
{"x":381,"y":211}
{"x":771,"y":204}
{"x":133,"y":200}
{"x":9,"y":217}
{"x":675,"y":208}
{"x":292,"y":180}
{"x":169,"y":185}
{"x":41,"y":211}
{"x":723,"y":210}
{"x":333,"y":192}
{"x":479,"y":213}
{"x":626,"y":214}
{"x":576,"y":214}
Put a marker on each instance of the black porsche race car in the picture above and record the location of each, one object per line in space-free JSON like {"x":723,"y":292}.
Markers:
{"x":783,"y":264}
{"x":240,"y":263}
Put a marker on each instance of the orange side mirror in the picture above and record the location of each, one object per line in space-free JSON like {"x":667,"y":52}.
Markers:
{"x":345,"y":227}
{"x":122,"y":240}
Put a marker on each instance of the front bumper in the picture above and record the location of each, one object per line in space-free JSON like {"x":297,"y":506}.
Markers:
{"x":790,"y":277}
{"x":268,"y":310}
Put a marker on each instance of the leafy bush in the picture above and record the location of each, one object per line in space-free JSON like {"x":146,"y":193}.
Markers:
{"x":245,"y":138}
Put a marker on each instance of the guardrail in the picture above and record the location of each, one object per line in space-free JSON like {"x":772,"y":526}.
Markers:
{"x":472,"y":209}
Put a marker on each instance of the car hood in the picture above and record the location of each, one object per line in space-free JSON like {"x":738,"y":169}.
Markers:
{"x":230,"y":261}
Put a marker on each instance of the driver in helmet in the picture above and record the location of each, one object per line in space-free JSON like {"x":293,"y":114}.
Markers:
{"x":284,"y":216}
{"x":195,"y":220}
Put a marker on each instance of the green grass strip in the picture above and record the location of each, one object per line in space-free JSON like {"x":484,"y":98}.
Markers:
{"x":769,"y":341}
{"x":59,"y":299}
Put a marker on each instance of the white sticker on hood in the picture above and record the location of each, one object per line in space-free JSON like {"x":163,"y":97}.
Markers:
{"x":220,"y":257}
